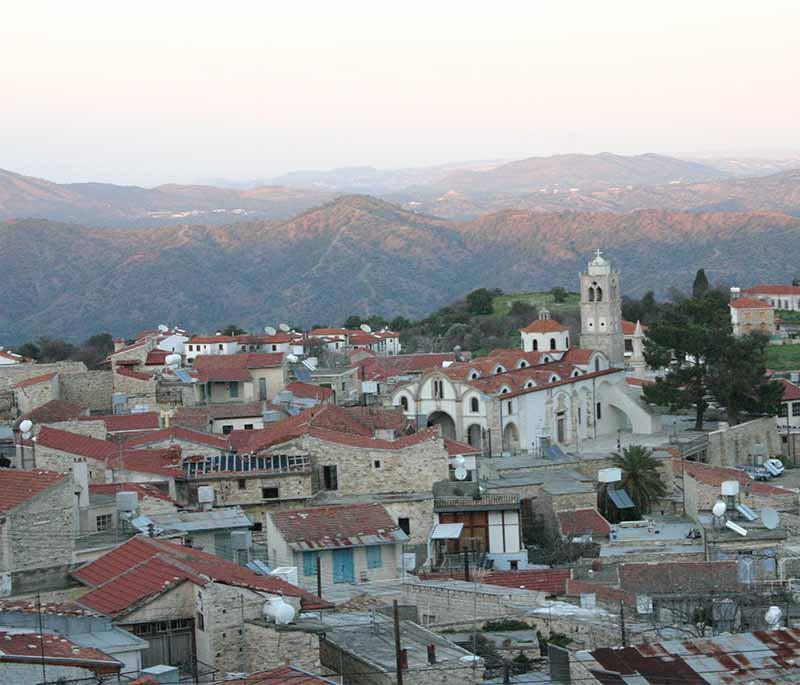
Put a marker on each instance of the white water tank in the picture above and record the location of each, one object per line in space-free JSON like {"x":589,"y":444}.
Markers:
{"x":278,"y":610}
{"x":127,"y":501}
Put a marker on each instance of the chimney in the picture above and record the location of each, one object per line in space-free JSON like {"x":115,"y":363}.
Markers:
{"x":119,"y":343}
{"x":80,"y":474}
{"x":431,"y":653}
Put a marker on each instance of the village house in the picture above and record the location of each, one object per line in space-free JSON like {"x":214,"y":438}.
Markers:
{"x":244,"y":377}
{"x":785,"y":297}
{"x":751,"y":315}
{"x":147,"y":584}
{"x":224,"y":418}
{"x":354,"y":543}
{"x":788,"y":420}
{"x":208,"y":345}
{"x":37,"y":514}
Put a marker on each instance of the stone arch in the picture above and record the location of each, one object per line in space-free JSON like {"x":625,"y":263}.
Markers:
{"x":475,"y":436}
{"x":474,"y":404}
{"x":591,"y":294}
{"x":535,"y":345}
{"x":510,"y":437}
{"x":552,"y":343}
{"x":599,"y":294}
{"x":499,"y":369}
{"x":404,"y":402}
{"x":445,"y":422}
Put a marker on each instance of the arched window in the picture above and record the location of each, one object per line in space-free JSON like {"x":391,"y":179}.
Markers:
{"x":404,"y":402}
{"x":535,"y":345}
{"x":504,"y":390}
{"x":529,"y":384}
{"x":591,"y":294}
{"x":552,"y":343}
{"x":545,"y":359}
{"x":597,"y":363}
{"x":599,"y":294}
{"x":566,"y":341}
{"x":576,"y":373}
{"x":522,"y":364}
{"x":554,"y":379}
{"x":473,"y":405}
{"x":474,"y":375}
{"x":498,"y":369}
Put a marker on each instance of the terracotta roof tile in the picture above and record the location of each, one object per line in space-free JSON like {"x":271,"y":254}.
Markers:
{"x":234,"y":367}
{"x":715,"y":475}
{"x":130,"y":373}
{"x":629,"y":328}
{"x":764,"y":289}
{"x":454,"y":448}
{"x":35,"y":380}
{"x":750,"y":303}
{"x":576,"y":522}
{"x":73,"y":443}
{"x":310,"y":391}
{"x":679,"y":576}
{"x":196,"y":566}
{"x":345,"y":525}
{"x":54,"y":411}
{"x":17,"y":487}
{"x":29,"y":646}
{"x":116,"y":423}
{"x":283,"y":675}
{"x":156,"y":357}
{"x":791,"y":391}
{"x":142,"y":489}
{"x":544,"y":326}
{"x":179,"y":433}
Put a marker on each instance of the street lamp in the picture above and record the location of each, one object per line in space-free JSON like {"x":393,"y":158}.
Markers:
{"x":26,"y":427}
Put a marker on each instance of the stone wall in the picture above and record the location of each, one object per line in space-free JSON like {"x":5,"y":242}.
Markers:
{"x":37,"y":534}
{"x":734,"y":444}
{"x":138,"y":391}
{"x":18,"y":673}
{"x":30,"y":397}
{"x":93,"y":429}
{"x":90,"y":388}
{"x":268,"y":646}
{"x":376,"y":471}
{"x":701,"y":497}
{"x":12,"y":374}
{"x":55,"y":460}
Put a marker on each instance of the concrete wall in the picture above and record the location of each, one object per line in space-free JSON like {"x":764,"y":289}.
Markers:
{"x":90,"y":388}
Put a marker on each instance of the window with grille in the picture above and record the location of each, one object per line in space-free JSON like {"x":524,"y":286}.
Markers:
{"x":105,"y":522}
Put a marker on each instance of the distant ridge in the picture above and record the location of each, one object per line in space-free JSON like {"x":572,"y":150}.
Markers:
{"x":356,"y":254}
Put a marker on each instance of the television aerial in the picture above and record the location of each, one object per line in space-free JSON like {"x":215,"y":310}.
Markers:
{"x":163,"y":328}
{"x":366,"y":328}
{"x":284,"y":327}
{"x":269,"y":330}
{"x":771,"y":518}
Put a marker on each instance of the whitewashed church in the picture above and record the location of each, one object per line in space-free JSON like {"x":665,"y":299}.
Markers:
{"x":545,"y":393}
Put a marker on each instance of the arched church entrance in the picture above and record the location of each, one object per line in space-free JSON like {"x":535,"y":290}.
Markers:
{"x":510,"y":438}
{"x":474,"y":437}
{"x":445,"y":421}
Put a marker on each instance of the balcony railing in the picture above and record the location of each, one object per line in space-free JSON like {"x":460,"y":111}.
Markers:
{"x":483,"y":502}
{"x":245,"y":463}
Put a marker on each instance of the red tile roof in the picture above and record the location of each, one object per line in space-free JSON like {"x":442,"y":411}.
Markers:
{"x":455,"y":448}
{"x":208,"y":339}
{"x":17,"y":487}
{"x":35,"y":380}
{"x":55,"y":411}
{"x":679,"y":576}
{"x":639,"y":382}
{"x":549,"y":581}
{"x":120,"y":565}
{"x":365,"y":442}
{"x":310,"y":391}
{"x":283,"y":675}
{"x":13,"y":356}
{"x":750,"y":303}
{"x":345,"y":525}
{"x":159,"y":462}
{"x":544,"y":326}
{"x":764,"y":289}
{"x":142,"y":489}
{"x":791,"y":391}
{"x":715,"y":475}
{"x":578,"y":521}
{"x":156,"y":357}
{"x":31,"y":606}
{"x":117,"y":423}
{"x":629,"y":328}
{"x":179,"y":434}
{"x":578,"y":355}
{"x":28,"y":646}
{"x":130,"y":373}
{"x":234,"y":367}
{"x":73,"y":443}
{"x":328,"y":331}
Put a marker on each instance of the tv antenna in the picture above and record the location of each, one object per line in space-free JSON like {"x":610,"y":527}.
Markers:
{"x":269,"y":330}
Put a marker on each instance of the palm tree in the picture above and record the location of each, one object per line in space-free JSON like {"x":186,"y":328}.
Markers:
{"x":640,"y":476}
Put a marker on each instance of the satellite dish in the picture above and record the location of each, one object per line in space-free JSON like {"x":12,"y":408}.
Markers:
{"x":366,"y":328}
{"x":773,"y":617}
{"x":26,"y":426}
{"x":173,"y":360}
{"x":457,"y":349}
{"x":284,"y":327}
{"x":459,"y":460}
{"x":291,"y":358}
{"x":461,"y":473}
{"x":771,"y":518}
{"x":719,"y":509}
{"x":163,"y":328}
{"x":269,"y":330}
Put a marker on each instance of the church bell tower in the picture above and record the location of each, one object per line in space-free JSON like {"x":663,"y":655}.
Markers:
{"x":601,"y":310}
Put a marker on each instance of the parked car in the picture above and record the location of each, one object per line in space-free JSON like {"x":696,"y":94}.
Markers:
{"x":774,"y":466}
{"x":756,"y":472}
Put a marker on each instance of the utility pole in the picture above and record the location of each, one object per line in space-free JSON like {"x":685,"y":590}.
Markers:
{"x":319,"y":575}
{"x":623,"y":634}
{"x":466,"y":565}
{"x":398,"y":659}
{"x":41,"y":635}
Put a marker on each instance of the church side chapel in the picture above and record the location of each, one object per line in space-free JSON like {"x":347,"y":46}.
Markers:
{"x":547,"y":392}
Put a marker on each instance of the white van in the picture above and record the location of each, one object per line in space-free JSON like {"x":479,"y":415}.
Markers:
{"x":774,"y":466}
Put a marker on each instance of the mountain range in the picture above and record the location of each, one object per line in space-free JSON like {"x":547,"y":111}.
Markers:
{"x":356,"y":254}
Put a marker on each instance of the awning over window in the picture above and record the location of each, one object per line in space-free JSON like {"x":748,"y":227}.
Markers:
{"x":447,"y":531}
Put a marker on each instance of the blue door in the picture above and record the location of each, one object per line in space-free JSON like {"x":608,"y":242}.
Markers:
{"x":343,"y":569}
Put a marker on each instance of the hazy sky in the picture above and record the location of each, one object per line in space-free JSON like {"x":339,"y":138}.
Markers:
{"x":142,"y":92}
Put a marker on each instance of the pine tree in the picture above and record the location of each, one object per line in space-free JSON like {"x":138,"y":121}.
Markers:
{"x":700,"y":285}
